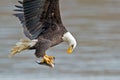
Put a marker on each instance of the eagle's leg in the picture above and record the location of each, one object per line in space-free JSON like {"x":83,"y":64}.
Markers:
{"x":47,"y":60}
{"x":21,"y":46}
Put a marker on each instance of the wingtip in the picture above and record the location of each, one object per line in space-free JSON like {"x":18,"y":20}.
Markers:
{"x":19,"y":10}
{"x":20,"y":2}
{"x":21,"y":7}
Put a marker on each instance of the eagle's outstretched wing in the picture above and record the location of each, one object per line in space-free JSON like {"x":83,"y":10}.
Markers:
{"x":37,"y":15}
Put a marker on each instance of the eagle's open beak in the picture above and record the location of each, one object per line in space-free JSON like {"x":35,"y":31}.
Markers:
{"x":70,"y":49}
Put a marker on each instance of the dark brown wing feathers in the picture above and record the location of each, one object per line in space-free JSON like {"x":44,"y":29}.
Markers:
{"x":38,"y":16}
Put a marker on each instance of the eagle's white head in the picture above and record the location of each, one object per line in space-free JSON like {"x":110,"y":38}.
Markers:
{"x":67,"y":37}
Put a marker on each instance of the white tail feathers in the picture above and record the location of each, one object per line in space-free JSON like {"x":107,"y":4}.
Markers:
{"x":23,"y":44}
{"x":26,"y":42}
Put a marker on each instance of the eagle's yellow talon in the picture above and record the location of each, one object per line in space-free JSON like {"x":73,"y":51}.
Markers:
{"x":48,"y":60}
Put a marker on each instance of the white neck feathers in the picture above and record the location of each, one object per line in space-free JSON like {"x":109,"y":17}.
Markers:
{"x":69,"y":39}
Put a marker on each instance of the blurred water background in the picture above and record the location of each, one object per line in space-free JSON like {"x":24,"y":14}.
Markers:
{"x":96,"y":26}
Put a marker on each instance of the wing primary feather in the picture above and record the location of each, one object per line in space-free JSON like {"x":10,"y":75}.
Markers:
{"x":38,"y":16}
{"x":31,"y":2}
{"x":32,"y":23}
{"x":21,"y":7}
{"x":19,"y":10}
{"x":34,"y":11}
{"x":20,"y":17}
{"x":20,"y":2}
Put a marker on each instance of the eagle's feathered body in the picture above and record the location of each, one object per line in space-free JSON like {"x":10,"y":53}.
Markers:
{"x":42,"y":21}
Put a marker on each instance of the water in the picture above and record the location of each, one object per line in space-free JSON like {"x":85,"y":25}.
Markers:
{"x":95,"y":25}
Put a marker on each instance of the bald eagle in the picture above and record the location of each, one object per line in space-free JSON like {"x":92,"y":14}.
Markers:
{"x":43,"y":26}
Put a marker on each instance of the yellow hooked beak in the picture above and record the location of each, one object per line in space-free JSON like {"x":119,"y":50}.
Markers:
{"x":70,"y":49}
